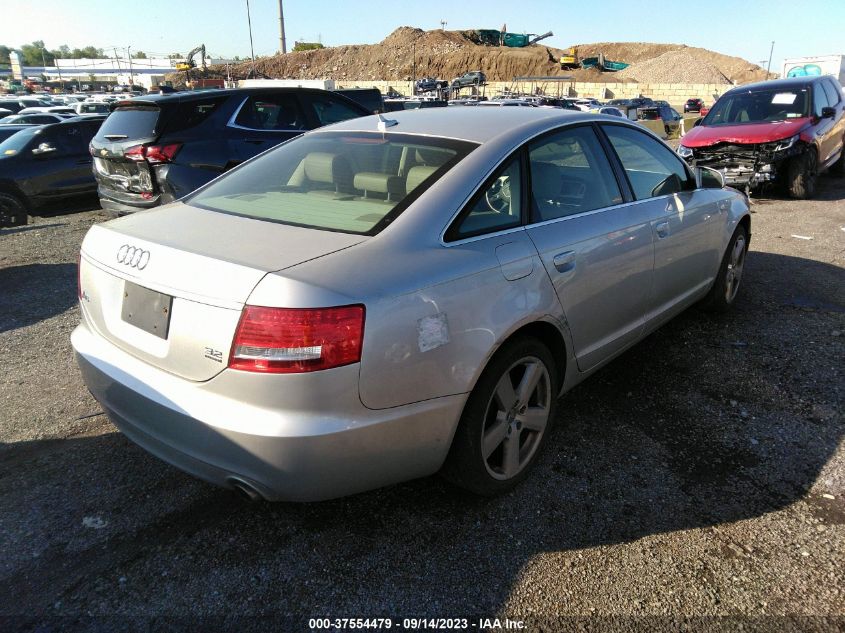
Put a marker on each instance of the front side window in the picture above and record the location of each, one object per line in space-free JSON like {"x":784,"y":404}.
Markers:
{"x":834,"y":94}
{"x":651,"y":167}
{"x":819,"y":99}
{"x":271,"y":112}
{"x":352,"y":182}
{"x":570,"y":174}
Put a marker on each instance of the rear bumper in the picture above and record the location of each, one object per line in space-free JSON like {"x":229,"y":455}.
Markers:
{"x":283,"y":454}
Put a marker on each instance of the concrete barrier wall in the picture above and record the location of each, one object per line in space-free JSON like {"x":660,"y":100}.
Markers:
{"x":676,"y":94}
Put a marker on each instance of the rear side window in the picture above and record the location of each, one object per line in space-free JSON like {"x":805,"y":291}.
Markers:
{"x":496,"y":208}
{"x":271,"y":112}
{"x":652,"y":168}
{"x":191,"y":113}
{"x":328,"y":109}
{"x":132,"y":122}
{"x":570,"y":174}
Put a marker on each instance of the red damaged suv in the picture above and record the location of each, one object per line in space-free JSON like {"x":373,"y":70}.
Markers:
{"x":781,"y":132}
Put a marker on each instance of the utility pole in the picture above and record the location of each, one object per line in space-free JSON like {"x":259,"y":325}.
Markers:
{"x":443,"y":24}
{"x":282,"y":42}
{"x":129,"y":57}
{"x":251,"y":49}
{"x":769,"y":66}
{"x":414,"y":67}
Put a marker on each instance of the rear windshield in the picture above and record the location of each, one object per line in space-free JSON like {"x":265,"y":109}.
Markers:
{"x":760,"y":106}
{"x":129,"y":122}
{"x":336,"y":181}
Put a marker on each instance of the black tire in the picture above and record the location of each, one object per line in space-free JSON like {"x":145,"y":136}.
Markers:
{"x":12,"y":211}
{"x":802,"y":174}
{"x":466,"y":465}
{"x":723,"y":293}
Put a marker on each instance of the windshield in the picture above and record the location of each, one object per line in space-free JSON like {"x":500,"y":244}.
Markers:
{"x":760,"y":106}
{"x":336,"y":181}
{"x":18,"y":141}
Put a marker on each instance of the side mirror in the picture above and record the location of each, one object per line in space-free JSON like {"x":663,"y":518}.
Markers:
{"x":707,"y":178}
{"x":698,"y":122}
{"x":44,"y":148}
{"x":828,"y":113}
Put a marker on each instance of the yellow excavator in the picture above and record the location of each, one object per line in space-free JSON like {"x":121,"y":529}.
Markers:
{"x":569,"y":60}
{"x":189,"y":59}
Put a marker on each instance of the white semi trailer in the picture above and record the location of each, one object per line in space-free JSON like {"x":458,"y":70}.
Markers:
{"x":818,"y":65}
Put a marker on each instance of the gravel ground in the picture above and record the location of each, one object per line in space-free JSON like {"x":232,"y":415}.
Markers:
{"x":701,"y":474}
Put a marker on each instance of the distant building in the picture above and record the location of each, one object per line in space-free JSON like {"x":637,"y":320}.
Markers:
{"x":117,"y":70}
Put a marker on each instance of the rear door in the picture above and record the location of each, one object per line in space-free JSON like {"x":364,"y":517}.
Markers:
{"x":686,"y":223}
{"x":596,"y":249}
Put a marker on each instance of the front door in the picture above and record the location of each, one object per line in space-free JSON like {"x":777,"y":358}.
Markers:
{"x":685,"y":221}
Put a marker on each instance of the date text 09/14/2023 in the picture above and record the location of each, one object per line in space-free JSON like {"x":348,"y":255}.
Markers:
{"x":414,"y":624}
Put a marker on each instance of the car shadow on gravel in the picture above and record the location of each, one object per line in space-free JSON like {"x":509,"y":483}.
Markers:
{"x":710,"y":420}
{"x":24,"y":229}
{"x":34,"y":292}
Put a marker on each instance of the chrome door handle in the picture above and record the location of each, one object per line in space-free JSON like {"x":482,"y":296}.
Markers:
{"x":662,"y":229}
{"x":564,"y":262}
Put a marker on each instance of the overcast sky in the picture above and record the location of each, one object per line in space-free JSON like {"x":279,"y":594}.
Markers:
{"x":744,"y":28}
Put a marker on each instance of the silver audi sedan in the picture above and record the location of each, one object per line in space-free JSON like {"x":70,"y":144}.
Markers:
{"x":383,"y":299}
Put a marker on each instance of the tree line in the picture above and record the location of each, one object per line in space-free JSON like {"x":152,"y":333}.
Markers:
{"x":36,"y":53}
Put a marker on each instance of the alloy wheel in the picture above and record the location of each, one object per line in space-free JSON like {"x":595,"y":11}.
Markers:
{"x":516,"y":418}
{"x":733,"y":276}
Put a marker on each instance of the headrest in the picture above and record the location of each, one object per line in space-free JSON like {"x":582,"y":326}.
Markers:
{"x":416,"y":175}
{"x":321,"y":166}
{"x":378,"y":182}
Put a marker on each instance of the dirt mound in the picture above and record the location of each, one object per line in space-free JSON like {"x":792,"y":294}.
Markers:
{"x":411,"y":52}
{"x":675,"y":66}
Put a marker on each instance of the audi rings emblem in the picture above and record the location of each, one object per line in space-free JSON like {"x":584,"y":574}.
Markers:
{"x":133,"y":256}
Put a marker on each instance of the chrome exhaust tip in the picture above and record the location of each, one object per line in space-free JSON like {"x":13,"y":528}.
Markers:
{"x":244,"y":489}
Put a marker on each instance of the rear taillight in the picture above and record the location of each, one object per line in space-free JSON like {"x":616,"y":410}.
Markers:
{"x":153,"y":154}
{"x":291,"y":340}
{"x":135,"y":153}
{"x":162,"y":153}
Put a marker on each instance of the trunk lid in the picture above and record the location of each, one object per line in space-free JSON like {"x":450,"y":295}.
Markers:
{"x":746,"y":133}
{"x":168,"y":285}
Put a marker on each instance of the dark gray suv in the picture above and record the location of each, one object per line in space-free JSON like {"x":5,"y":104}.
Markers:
{"x":158,"y":148}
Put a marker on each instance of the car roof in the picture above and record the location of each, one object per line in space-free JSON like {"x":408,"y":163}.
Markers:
{"x":779,"y":84}
{"x":191,"y":95}
{"x":478,"y":125}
